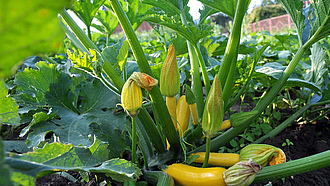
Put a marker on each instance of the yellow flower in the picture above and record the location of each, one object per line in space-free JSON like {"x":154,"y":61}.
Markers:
{"x":169,"y":75}
{"x":214,"y":110}
{"x":263,"y":154}
{"x":144,"y":80}
{"x":131,"y":97}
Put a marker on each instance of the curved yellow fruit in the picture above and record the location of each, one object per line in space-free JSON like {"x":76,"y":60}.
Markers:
{"x":182,"y":115}
{"x":219,"y":159}
{"x":225,"y":124}
{"x":171,"y":106}
{"x":193,"y":176}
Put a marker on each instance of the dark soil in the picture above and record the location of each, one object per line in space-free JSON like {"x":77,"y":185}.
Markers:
{"x":307,"y":140}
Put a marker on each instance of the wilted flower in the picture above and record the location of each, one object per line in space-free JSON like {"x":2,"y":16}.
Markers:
{"x":170,"y":76}
{"x":214,"y":109}
{"x":242,"y":173}
{"x":131,"y":97}
{"x":143,"y":80}
{"x":263,"y":154}
{"x":278,"y":157}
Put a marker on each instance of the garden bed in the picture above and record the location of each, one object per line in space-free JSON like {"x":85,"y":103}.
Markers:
{"x":297,"y":141}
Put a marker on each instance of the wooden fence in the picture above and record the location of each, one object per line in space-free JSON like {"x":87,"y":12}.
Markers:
{"x":274,"y":24}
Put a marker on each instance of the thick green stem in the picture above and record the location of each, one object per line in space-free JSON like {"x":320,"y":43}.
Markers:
{"x":228,"y":86}
{"x":73,"y":38}
{"x":207,"y":152}
{"x":294,"y":167}
{"x":283,"y":125}
{"x":133,"y":139}
{"x":233,"y":42}
{"x":108,"y":69}
{"x":196,"y":78}
{"x":89,"y":32}
{"x":155,"y":94}
{"x":151,"y":129}
{"x":203,"y":68}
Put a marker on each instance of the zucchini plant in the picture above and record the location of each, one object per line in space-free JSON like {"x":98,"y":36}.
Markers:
{"x":70,"y":107}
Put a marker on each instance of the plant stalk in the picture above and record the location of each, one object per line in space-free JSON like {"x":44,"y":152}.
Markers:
{"x":197,"y":87}
{"x":134,"y":158}
{"x":203,"y":68}
{"x":151,"y":129}
{"x":207,"y":152}
{"x":294,"y":167}
{"x":233,"y":42}
{"x":155,"y":94}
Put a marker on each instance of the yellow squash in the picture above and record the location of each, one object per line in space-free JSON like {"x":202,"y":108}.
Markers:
{"x":182,"y":115}
{"x":219,"y":159}
{"x":193,"y":176}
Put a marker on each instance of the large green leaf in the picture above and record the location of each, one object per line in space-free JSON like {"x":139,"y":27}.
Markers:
{"x":34,"y":84}
{"x":57,"y":157}
{"x":8,"y":109}
{"x":193,"y":33}
{"x":227,"y":7}
{"x":313,"y":22}
{"x":322,"y":13}
{"x":171,"y":7}
{"x":295,"y":10}
{"x":117,"y":53}
{"x":84,"y":109}
{"x":275,"y":70}
{"x":86,"y":10}
{"x":319,"y":69}
{"x":108,"y":20}
{"x":28,"y":28}
{"x":134,"y":10}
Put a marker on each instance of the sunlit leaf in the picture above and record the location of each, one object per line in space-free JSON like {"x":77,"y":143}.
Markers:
{"x":86,"y":9}
{"x":191,"y":32}
{"x":8,"y":109}
{"x":108,"y":20}
{"x":315,"y":19}
{"x":81,"y":112}
{"x":28,"y":28}
{"x":57,"y":157}
{"x":227,"y":7}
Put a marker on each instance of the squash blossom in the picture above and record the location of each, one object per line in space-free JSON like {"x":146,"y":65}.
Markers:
{"x":170,"y":76}
{"x":143,"y":80}
{"x":170,"y":82}
{"x":131,"y":97}
{"x":263,"y":154}
{"x":214,"y":110}
{"x":242,"y":173}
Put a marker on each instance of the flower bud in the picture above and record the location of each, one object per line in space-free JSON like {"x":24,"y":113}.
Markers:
{"x":263,"y":154}
{"x":131,"y":97}
{"x":191,"y":100}
{"x":242,"y":173}
{"x":214,"y":110}
{"x":169,"y":75}
{"x":144,"y":80}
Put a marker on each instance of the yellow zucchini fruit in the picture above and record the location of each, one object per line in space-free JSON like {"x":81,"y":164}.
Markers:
{"x":218,"y":159}
{"x":194,"y":113}
{"x":171,"y":106}
{"x":193,"y":176}
{"x":182,"y":115}
{"x":225,"y":124}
